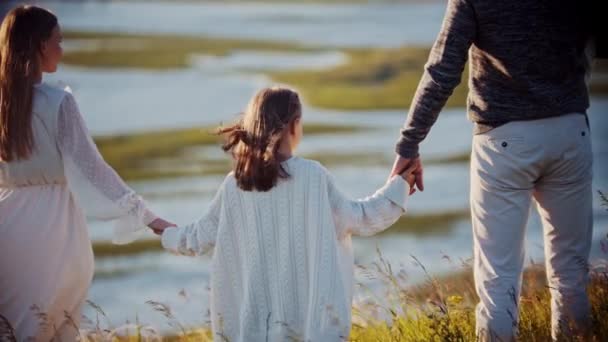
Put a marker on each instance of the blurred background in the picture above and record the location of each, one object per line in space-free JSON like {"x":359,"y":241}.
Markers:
{"x":154,"y":78}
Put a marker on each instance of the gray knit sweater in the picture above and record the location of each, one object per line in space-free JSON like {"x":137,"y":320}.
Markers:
{"x":527,"y":62}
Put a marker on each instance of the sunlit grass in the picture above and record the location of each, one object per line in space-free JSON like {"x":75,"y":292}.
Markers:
{"x":438,"y":309}
{"x":130,"y":154}
{"x":429,"y":224}
{"x":155,"y":52}
{"x":108,"y":249}
{"x":366,"y":159}
{"x":372,"y":79}
{"x":443,"y":309}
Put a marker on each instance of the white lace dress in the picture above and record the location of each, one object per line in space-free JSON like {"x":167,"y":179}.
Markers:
{"x":282,"y":266}
{"x":46,"y":261}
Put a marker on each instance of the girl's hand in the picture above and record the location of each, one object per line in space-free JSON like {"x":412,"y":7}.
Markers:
{"x":159,"y":225}
{"x":409,"y":176}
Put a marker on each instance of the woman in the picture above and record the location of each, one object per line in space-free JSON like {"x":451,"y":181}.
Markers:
{"x":49,"y":168}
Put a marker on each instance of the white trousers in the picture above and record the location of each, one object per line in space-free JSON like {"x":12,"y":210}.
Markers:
{"x":550,"y":161}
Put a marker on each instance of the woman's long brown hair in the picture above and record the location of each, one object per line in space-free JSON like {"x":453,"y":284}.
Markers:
{"x":255,"y":140}
{"x":22,"y":33}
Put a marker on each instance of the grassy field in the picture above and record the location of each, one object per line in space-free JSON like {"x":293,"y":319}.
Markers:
{"x":444,"y":310}
{"x":440,"y":309}
{"x":130,"y":155}
{"x":419,"y":225}
{"x":371,"y":79}
{"x":155,"y":52}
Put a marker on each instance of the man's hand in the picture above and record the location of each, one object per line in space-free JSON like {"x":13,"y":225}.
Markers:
{"x":401,"y":164}
{"x":159,"y":225}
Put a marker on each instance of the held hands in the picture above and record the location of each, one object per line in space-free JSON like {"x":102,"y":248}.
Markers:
{"x":159,"y":225}
{"x":411,"y":170}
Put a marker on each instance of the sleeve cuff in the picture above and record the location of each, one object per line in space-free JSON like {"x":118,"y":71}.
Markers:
{"x":149,"y":217}
{"x":128,"y":229}
{"x":170,"y":239}
{"x":397,"y":191}
{"x":406,"y":150}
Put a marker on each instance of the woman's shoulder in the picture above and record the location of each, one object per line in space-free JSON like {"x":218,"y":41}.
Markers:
{"x":54,"y":91}
{"x":50,"y":96}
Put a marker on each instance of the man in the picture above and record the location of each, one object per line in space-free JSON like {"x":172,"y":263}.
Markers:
{"x":528,"y":100}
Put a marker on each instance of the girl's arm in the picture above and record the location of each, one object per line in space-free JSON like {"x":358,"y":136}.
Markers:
{"x":198,"y":237}
{"x":370,"y":215}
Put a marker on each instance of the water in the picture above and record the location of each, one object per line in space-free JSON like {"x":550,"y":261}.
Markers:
{"x":319,"y":24}
{"x":215,"y":88}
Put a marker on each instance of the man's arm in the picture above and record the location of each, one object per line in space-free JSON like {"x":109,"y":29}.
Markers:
{"x":442,"y":74}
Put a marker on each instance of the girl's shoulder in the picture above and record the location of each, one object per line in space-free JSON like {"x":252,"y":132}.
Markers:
{"x":309,"y":166}
{"x":229,"y":180}
{"x":299,"y":169}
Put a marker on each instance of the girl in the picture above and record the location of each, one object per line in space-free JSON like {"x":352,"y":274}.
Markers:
{"x":49,"y":168}
{"x":282,"y":267}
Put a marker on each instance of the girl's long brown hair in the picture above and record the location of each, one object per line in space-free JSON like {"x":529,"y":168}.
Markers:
{"x":22,"y":33}
{"x":254,"y":141}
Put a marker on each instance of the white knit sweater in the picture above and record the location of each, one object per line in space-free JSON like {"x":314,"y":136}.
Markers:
{"x":282,"y":265}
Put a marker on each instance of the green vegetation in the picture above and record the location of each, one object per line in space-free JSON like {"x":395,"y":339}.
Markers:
{"x":374,"y":159}
{"x":372,"y":79}
{"x":155,"y":52}
{"x":428,"y":224}
{"x":443,"y":309}
{"x":108,"y":249}
{"x":131,"y":155}
{"x":440,"y":309}
{"x":419,"y":225}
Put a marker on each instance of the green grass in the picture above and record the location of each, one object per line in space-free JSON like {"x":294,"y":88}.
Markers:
{"x":378,"y":159}
{"x":157,"y":52}
{"x":420,"y":225}
{"x":372,"y":79}
{"x":108,"y":249}
{"x":129,"y":154}
{"x":160,"y":154}
{"x":443,"y":309}
{"x":440,"y":309}
{"x":428,"y":224}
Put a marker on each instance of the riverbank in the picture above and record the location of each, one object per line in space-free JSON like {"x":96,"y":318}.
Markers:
{"x":133,"y":155}
{"x":372,"y":78}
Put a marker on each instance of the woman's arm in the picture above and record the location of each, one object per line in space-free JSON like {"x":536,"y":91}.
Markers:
{"x":95,"y":185}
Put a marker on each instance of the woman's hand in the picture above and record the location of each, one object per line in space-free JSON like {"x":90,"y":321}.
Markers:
{"x":159,"y":225}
